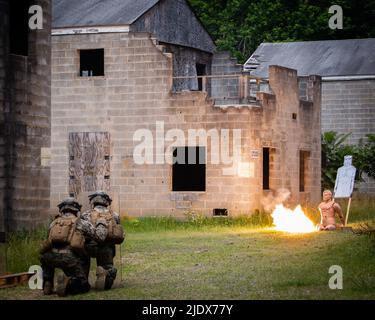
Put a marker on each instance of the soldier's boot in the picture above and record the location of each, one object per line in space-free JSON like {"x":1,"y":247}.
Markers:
{"x":110,"y":278}
{"x":108,"y":283}
{"x":47,"y":288}
{"x":62,"y":285}
{"x":101,"y":275}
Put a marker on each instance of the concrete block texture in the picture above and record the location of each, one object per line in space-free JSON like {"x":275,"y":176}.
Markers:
{"x":136,"y":93}
{"x":349,"y":107}
{"x":25,"y":101}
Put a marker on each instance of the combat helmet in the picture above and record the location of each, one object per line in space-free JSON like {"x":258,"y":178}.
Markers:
{"x":69,"y":204}
{"x":100,"y":198}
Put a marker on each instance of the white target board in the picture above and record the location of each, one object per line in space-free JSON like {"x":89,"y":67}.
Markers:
{"x":345,"y":179}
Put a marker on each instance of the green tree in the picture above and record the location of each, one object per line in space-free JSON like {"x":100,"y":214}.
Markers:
{"x":367,"y":155}
{"x":240,"y":26}
{"x":334,"y":150}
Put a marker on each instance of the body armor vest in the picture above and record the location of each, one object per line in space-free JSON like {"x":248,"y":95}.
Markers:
{"x":63,"y":233}
{"x":115,"y":231}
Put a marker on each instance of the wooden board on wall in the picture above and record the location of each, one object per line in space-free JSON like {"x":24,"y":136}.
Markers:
{"x":89,"y":162}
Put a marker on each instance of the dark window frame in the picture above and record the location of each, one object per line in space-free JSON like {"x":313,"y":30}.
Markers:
{"x":266,"y":168}
{"x":184,"y":175}
{"x":93,"y":61}
{"x":303,"y":160}
{"x":220,"y":212}
{"x":201,"y":70}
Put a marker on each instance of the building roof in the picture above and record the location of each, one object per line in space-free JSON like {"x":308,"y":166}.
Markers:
{"x":325,"y":58}
{"x":79,"y":13}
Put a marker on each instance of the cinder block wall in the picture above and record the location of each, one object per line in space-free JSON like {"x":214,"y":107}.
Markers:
{"x":349,"y":106}
{"x":136,"y":92}
{"x":295,"y":127}
{"x":25,"y":117}
{"x":224,"y":64}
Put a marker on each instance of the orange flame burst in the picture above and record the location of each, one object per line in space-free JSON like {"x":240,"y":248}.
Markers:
{"x":293,"y":221}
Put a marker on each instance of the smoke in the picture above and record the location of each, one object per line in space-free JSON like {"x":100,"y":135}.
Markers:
{"x":271,"y":200}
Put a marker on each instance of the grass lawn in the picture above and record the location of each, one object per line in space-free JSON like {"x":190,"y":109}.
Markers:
{"x":165,"y":259}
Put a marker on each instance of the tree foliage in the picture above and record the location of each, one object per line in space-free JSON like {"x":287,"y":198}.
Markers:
{"x":333,"y":152}
{"x":367,"y":155}
{"x":240,"y":26}
{"x":334,"y":149}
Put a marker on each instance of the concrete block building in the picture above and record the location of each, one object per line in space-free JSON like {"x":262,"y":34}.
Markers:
{"x":347,"y":68}
{"x":131,"y":81}
{"x":24,"y":116}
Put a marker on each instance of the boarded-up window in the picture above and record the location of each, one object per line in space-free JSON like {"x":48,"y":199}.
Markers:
{"x":89,"y":162}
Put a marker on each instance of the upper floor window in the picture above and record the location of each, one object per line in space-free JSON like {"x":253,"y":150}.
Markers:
{"x":91,"y":63}
{"x":201,"y":71}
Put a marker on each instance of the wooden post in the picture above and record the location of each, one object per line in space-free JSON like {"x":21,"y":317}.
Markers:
{"x":204,"y":84}
{"x":240,"y":87}
{"x":347,"y":211}
{"x":246,"y":88}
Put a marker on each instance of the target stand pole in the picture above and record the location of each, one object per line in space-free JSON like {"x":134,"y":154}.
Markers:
{"x":347,"y":211}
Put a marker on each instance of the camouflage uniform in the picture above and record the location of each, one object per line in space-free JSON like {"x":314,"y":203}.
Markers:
{"x":97,"y":244}
{"x":64,"y":257}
